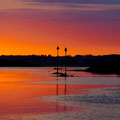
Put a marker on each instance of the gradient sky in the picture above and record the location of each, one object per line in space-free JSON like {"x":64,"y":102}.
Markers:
{"x":38,"y":26}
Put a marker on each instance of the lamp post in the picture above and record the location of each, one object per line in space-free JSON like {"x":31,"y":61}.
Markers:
{"x":57,"y":58}
{"x":65,"y":62}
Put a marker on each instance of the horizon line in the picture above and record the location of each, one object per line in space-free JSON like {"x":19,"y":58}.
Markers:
{"x":60,"y":55}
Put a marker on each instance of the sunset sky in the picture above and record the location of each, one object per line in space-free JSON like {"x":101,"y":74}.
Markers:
{"x":38,"y":26}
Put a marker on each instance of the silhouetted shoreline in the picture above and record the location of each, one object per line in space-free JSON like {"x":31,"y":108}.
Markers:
{"x":97,"y":64}
{"x":105,"y":69}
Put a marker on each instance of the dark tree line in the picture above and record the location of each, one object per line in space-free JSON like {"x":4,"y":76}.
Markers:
{"x":43,"y":60}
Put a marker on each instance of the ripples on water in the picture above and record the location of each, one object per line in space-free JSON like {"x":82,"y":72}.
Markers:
{"x":36,"y":94}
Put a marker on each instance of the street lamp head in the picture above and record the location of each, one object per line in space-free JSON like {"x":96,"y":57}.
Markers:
{"x":65,"y":49}
{"x":57,"y":48}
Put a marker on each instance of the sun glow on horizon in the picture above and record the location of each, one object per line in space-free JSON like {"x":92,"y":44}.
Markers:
{"x":27,"y":28}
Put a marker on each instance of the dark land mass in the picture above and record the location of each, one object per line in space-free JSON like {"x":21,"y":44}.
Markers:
{"x":105,"y":68}
{"x":97,"y":64}
{"x":108,"y":67}
{"x":46,"y":61}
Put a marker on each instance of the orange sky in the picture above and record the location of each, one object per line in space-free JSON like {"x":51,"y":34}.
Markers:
{"x":30,"y":30}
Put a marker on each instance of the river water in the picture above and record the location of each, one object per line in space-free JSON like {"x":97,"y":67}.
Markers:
{"x":37,"y":94}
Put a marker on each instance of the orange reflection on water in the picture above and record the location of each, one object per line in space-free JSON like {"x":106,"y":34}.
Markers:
{"x":19,"y":98}
{"x":22,"y":98}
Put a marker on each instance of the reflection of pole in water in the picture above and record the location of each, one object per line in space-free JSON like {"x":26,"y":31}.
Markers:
{"x":65,"y":61}
{"x":65,"y":89}
{"x":57,"y":94}
{"x":57,"y":87}
{"x":65,"y":92}
{"x":57,"y":58}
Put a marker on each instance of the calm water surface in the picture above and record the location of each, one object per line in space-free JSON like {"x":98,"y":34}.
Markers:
{"x":37,"y":94}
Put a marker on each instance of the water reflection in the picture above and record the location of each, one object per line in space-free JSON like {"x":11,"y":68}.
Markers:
{"x":24,"y":94}
{"x":57,"y":86}
{"x":57,"y":93}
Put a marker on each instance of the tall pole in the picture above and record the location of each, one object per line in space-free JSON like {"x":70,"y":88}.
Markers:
{"x":57,"y":58}
{"x":57,"y":69}
{"x":65,"y":62}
